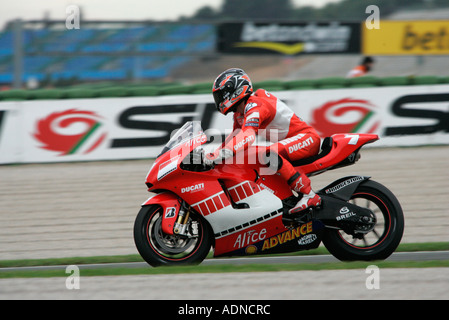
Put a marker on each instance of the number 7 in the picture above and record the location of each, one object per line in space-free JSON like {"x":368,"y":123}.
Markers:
{"x":354,"y":138}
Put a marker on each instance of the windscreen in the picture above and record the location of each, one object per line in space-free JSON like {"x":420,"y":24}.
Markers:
{"x":188,"y":131}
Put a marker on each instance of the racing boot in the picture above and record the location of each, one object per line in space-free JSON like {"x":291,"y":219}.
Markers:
{"x":301,"y":184}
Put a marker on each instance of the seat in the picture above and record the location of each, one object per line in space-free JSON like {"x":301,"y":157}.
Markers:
{"x":326,"y":147}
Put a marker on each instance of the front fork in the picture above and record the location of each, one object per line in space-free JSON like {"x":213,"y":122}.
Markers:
{"x":181,"y":223}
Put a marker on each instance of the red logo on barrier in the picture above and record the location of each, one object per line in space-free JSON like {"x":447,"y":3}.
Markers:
{"x":345,"y":116}
{"x":71,"y":131}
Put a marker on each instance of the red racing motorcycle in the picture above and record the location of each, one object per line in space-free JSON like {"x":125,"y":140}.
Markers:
{"x":241,"y":209}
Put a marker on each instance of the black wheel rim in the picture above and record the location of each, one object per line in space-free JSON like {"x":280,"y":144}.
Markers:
{"x":377,"y":235}
{"x":172,"y":247}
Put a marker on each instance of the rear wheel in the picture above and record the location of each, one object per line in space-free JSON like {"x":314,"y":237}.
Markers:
{"x":158,"y":248}
{"x":378,"y":242}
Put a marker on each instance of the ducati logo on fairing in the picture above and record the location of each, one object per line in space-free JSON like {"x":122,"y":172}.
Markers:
{"x":194,"y":188}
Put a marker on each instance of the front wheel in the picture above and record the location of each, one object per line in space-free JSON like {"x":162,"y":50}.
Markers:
{"x":381,"y":240}
{"x":158,"y":248}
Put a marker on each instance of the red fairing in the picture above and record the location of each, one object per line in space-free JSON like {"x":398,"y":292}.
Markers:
{"x":169,"y":161}
{"x":170,"y":204}
{"x":343,"y":146}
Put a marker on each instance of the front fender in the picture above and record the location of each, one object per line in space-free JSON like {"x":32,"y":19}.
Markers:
{"x":343,"y":188}
{"x":170,"y":204}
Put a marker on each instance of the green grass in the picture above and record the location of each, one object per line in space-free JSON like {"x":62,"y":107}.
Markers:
{"x":406,"y":247}
{"x":69,"y":261}
{"x":413,"y":247}
{"x":227,"y":268}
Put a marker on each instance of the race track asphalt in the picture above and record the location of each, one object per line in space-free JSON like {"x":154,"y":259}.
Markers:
{"x":429,"y":283}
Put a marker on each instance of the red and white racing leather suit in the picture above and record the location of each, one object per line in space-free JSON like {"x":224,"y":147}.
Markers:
{"x":292,"y":138}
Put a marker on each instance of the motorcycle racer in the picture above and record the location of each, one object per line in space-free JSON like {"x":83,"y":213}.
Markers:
{"x":292,"y":138}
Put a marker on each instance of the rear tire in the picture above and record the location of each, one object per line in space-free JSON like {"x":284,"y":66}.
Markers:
{"x":159,"y":249}
{"x":383,"y":239}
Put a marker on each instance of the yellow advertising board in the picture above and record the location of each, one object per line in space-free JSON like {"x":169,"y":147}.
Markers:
{"x":407,"y":38}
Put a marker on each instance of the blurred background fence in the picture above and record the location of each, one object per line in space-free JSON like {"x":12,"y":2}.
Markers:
{"x":47,"y":53}
{"x":102,"y":51}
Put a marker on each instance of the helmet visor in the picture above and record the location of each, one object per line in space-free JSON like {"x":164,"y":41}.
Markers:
{"x":218,"y":98}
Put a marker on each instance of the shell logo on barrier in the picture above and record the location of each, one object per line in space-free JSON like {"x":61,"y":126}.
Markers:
{"x":70,"y":132}
{"x":345,"y":115}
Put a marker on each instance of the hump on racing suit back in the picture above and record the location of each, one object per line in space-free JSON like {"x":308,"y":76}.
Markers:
{"x":264,"y":111}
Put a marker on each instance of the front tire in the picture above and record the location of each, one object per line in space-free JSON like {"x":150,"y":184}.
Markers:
{"x":383,"y":239}
{"x":159,"y":249}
